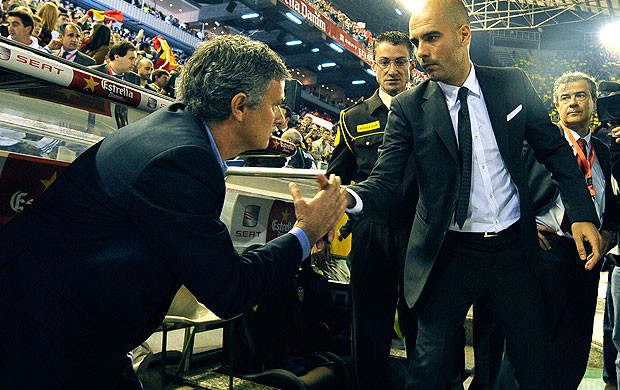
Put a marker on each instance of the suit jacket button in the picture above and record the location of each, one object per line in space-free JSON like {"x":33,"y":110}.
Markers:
{"x":367,"y":143}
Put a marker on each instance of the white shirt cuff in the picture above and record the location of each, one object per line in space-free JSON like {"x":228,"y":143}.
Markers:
{"x":359,"y":205}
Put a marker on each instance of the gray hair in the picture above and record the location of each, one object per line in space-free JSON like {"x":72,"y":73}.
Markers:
{"x":571,"y":77}
{"x":293,"y":136}
{"x":224,"y":67}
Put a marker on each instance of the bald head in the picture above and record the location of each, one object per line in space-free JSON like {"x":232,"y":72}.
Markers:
{"x":454,"y":10}
{"x":441,"y":34}
{"x":145,"y":69}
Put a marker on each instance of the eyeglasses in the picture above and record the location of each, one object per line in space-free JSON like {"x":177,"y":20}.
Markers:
{"x":384,"y":63}
{"x":580,"y":97}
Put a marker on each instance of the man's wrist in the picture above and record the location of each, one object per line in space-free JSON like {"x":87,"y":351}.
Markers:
{"x":306,"y":246}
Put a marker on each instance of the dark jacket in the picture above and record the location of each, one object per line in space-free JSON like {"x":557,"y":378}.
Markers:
{"x":131,"y":77}
{"x":359,"y":136}
{"x":420,"y":127}
{"x":89,"y":270}
{"x":544,"y":191}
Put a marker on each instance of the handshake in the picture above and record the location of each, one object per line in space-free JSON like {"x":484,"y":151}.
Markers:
{"x":318,"y":216}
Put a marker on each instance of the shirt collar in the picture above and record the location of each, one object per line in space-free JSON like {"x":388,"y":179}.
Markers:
{"x":216,"y":151}
{"x":471,"y":82}
{"x":385,"y":98}
{"x":577,"y":136}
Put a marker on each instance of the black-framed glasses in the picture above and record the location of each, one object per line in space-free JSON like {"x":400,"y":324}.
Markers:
{"x":384,"y":63}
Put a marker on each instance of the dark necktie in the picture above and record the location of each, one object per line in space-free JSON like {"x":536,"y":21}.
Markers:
{"x":464,"y":128}
{"x":65,"y":54}
{"x":565,"y":225}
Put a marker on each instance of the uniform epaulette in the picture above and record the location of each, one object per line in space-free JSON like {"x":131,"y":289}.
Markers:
{"x":360,"y":100}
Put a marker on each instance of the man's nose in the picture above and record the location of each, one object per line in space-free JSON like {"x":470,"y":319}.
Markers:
{"x":421,"y":51}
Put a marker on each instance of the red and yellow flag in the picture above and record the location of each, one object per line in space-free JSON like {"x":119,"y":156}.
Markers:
{"x":165,"y":58}
{"x":106,"y":16}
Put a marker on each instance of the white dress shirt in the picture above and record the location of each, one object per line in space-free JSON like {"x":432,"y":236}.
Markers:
{"x":553,"y":217}
{"x":494,"y":200}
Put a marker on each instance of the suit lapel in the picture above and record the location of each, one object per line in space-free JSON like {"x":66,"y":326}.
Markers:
{"x":495,"y":101}
{"x":435,"y":108}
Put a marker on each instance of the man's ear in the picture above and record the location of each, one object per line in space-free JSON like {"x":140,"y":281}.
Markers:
{"x":238,"y":106}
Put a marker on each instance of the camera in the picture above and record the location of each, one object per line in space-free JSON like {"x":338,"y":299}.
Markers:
{"x":608,"y":104}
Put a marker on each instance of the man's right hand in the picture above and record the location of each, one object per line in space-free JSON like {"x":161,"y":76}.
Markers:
{"x":542,"y":240}
{"x":318,"y":216}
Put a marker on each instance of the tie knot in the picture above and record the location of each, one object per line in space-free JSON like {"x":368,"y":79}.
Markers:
{"x":65,"y":54}
{"x":462,"y":95}
{"x":582,"y":144}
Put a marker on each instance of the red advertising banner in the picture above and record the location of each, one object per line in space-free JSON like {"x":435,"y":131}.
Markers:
{"x":314,"y":17}
{"x":22,"y":180}
{"x":43,"y":66}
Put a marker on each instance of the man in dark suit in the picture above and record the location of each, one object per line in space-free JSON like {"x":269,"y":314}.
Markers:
{"x":122,"y":60}
{"x":473,"y":233}
{"x":67,"y":44}
{"x":89,"y":270}
{"x":379,"y":241}
{"x":569,"y":290}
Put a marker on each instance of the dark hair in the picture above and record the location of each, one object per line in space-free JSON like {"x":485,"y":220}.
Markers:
{"x":100,"y":36}
{"x":394,"y":38}
{"x":63,"y":28}
{"x":144,"y":46}
{"x":157,"y":73}
{"x":121,"y":48}
{"x":224,"y":66}
{"x":287,"y":110}
{"x":24,"y":16}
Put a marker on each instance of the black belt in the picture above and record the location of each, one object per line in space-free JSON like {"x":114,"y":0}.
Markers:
{"x":509,"y":234}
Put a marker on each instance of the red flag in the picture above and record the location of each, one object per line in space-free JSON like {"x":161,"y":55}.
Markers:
{"x":165,"y":58}
{"x":106,"y":16}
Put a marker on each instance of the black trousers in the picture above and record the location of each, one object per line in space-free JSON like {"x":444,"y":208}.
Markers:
{"x":470,"y":267}
{"x":569,"y":296}
{"x":377,"y":265}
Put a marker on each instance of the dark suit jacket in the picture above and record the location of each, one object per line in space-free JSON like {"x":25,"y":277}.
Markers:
{"x":80,"y":58}
{"x":89,"y":270}
{"x":419,"y":124}
{"x":544,"y":190}
{"x":360,"y":134}
{"x":131,"y":77}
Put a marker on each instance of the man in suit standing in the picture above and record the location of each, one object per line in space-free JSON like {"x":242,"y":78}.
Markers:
{"x":122,"y":61}
{"x":473,"y":233}
{"x":379,"y":240}
{"x":67,"y":44}
{"x":569,"y":290}
{"x":89,"y":270}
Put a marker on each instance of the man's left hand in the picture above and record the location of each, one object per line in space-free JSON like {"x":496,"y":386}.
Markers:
{"x":587,"y":232}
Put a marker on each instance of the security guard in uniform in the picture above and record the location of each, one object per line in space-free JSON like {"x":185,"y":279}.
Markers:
{"x":379,"y":239}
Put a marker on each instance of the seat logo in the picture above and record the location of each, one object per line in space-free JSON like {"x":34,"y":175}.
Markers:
{"x":5,"y":53}
{"x":250,"y":215}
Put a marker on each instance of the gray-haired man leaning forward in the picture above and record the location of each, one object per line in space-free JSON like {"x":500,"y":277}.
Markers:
{"x":136,"y":216}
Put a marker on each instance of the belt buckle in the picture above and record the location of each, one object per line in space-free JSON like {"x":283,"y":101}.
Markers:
{"x":489,"y":235}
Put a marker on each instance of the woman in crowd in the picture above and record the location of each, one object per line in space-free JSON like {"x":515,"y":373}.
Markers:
{"x":97,"y":43}
{"x":49,"y":13}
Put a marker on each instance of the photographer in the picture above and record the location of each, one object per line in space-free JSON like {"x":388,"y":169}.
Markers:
{"x":608,"y":108}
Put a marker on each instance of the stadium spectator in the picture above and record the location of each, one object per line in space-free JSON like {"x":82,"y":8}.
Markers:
{"x":20,"y":26}
{"x":49,"y":13}
{"x":97,"y":43}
